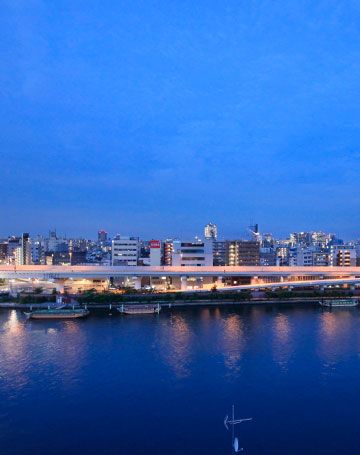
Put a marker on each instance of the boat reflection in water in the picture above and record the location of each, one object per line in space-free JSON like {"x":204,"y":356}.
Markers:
{"x":58,"y":313}
{"x":335,"y":337}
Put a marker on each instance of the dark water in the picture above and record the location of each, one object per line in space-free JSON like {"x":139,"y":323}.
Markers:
{"x":162,"y":385}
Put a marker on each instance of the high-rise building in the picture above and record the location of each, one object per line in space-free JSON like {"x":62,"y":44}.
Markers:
{"x":168,"y":248}
{"x":23,"y":251}
{"x":155,"y":253}
{"x":3,"y":251}
{"x":56,"y":244}
{"x":267,"y":256}
{"x":125,"y":251}
{"x":255,"y":233}
{"x":219,"y":252}
{"x":211,"y":231}
{"x":38,"y":250}
{"x":242,"y":253}
{"x":102,"y":236}
{"x":13,"y":245}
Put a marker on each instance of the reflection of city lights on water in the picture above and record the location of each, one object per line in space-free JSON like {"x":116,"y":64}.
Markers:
{"x":282,"y":328}
{"x":72,"y":327}
{"x":175,"y":345}
{"x":334,"y":336}
{"x":282,"y":341}
{"x":217,"y":313}
{"x":14,"y":326}
{"x":14,"y":351}
{"x":233,"y":343}
{"x":205,"y":314}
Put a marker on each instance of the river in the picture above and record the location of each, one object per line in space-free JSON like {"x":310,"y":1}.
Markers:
{"x":163,"y":384}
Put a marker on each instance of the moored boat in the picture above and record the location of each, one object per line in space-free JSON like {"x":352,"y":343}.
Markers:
{"x":139,"y":309}
{"x":339,"y":303}
{"x":58,"y":313}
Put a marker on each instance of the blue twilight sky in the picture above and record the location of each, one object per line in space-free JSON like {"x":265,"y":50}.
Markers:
{"x":152,"y":118}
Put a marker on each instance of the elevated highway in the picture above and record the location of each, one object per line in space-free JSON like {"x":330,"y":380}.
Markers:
{"x":44,"y":272}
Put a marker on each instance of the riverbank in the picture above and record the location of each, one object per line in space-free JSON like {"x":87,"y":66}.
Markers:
{"x":171,"y":304}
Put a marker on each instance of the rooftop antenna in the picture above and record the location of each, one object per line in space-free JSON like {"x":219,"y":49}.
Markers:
{"x":233,"y":422}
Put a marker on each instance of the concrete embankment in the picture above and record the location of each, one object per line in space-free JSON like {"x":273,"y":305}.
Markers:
{"x":171,"y":304}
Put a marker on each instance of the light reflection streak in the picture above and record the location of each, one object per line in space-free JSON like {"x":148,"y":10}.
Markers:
{"x":334,"y":336}
{"x":282,"y":341}
{"x":232,"y":343}
{"x":14,"y":361}
{"x":176,"y":340}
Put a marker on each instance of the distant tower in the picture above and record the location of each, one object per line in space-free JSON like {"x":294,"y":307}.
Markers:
{"x":102,"y":236}
{"x":255,"y":234}
{"x":211,"y":231}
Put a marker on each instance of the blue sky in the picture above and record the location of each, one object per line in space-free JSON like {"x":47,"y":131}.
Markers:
{"x":152,"y":118}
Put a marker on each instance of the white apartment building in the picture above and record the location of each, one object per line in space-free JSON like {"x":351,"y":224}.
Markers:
{"x":125,"y":251}
{"x":304,"y":257}
{"x":343,"y":256}
{"x":192,"y":253}
{"x":155,"y":253}
{"x":23,"y":251}
{"x":38,"y":250}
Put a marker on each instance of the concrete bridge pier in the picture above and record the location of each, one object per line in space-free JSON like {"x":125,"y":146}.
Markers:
{"x":184,"y":283}
{"x":59,"y":285}
{"x":137,"y":282}
{"x":219,"y":282}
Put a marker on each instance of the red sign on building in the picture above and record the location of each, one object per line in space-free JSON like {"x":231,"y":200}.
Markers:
{"x":155,"y":244}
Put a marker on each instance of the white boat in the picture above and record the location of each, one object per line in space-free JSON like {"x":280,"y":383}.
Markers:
{"x":339,"y":303}
{"x":232,"y":421}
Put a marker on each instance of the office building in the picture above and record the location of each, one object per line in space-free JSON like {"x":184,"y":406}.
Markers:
{"x":168,"y":248}
{"x":267,"y":256}
{"x":125,"y":251}
{"x":155,"y":253}
{"x":3,"y":251}
{"x":219,"y":252}
{"x":23,"y":251}
{"x":343,"y":256}
{"x":102,"y":236}
{"x":242,"y":253}
{"x":192,"y":253}
{"x":38,"y":250}
{"x":211,"y":231}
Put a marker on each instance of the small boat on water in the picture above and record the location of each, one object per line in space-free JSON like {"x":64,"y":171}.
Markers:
{"x":232,"y":422}
{"x":58,"y":313}
{"x":339,"y":303}
{"x":139,"y":309}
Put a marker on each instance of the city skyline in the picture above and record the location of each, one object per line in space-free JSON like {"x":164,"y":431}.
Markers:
{"x":226,"y":112}
{"x":242,"y":233}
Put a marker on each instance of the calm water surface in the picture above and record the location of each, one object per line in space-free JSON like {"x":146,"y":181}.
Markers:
{"x":162,"y":385}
